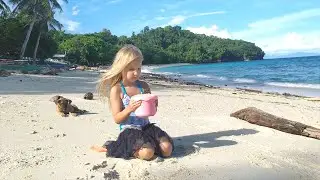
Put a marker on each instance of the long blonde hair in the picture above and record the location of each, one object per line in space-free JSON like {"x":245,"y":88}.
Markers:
{"x":124,"y":56}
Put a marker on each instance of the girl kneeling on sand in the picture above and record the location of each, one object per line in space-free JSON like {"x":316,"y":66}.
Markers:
{"x":138,"y":137}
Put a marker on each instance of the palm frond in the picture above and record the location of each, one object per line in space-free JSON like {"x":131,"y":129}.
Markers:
{"x":55,"y":24}
{"x":4,"y":6}
{"x":55,"y":4}
{"x":23,"y":5}
{"x":40,"y":10}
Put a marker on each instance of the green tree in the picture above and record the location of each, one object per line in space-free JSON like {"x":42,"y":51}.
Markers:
{"x":11,"y":36}
{"x":33,"y":9}
{"x":170,"y":44}
{"x":44,"y":25}
{"x":84,"y":49}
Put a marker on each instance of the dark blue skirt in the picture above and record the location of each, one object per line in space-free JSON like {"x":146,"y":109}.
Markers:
{"x":130,"y":140}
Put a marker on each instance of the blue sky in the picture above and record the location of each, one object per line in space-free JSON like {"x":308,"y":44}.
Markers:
{"x":277,"y":26}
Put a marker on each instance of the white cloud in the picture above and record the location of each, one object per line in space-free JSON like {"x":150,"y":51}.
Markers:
{"x":285,"y":43}
{"x":72,"y":25}
{"x":159,"y":18}
{"x":114,"y":1}
{"x":61,"y":2}
{"x":206,"y":14}
{"x":75,"y":10}
{"x":289,"y":18}
{"x":272,"y":25}
{"x":162,"y":10}
{"x":176,"y":20}
{"x":68,"y":24}
{"x":291,"y":42}
{"x":210,"y":31}
{"x":283,"y":34}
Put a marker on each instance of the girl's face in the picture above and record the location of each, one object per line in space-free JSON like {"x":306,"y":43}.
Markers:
{"x":132,"y":72}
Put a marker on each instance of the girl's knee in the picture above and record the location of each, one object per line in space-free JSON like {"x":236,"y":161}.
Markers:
{"x":146,"y":153}
{"x":166,"y":148}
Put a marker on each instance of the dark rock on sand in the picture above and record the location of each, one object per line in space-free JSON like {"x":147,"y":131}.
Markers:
{"x":98,"y":166}
{"x":88,"y":96}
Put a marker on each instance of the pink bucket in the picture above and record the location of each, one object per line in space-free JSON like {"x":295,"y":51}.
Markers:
{"x":148,"y":105}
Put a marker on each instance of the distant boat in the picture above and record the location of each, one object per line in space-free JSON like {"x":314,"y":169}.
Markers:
{"x":59,"y":56}
{"x":56,"y":63}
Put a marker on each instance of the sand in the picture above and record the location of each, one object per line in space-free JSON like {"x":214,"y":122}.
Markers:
{"x":36,"y":143}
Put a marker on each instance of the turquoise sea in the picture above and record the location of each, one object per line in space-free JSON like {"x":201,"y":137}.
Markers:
{"x":300,"y":76}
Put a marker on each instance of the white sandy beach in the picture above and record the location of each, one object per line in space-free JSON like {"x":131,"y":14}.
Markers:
{"x":36,"y":143}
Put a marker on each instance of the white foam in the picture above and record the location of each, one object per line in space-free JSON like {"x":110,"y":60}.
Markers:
{"x":146,"y":70}
{"x":221,"y":78}
{"x":244,"y":80}
{"x":294,"y":85}
{"x":166,"y":73}
{"x":202,"y":76}
{"x":151,"y":70}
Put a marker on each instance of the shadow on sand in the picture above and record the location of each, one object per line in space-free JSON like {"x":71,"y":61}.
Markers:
{"x":186,"y":145}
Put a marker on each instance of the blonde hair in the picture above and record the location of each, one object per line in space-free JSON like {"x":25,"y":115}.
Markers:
{"x":123,"y":58}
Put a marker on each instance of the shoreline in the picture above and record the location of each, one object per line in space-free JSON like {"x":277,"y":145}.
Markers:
{"x":179,"y":82}
{"x":148,"y":71}
{"x":149,"y":74}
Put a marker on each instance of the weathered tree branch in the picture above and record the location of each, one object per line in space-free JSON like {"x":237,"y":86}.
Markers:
{"x":259,"y":117}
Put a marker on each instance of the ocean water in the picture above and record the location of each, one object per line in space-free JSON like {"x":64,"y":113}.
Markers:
{"x":300,"y":76}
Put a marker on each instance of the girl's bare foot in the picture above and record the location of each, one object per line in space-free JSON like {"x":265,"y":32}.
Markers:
{"x":98,"y":149}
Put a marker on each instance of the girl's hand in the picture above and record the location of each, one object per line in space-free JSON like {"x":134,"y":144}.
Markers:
{"x":134,"y":105}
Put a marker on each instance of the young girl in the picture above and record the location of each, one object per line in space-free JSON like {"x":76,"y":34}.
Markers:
{"x":138,"y":137}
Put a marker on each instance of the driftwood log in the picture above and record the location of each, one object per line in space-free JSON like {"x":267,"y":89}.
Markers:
{"x":259,"y":117}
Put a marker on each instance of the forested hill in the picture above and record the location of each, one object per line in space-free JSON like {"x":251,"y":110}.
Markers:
{"x":172,"y":44}
{"x":159,"y":45}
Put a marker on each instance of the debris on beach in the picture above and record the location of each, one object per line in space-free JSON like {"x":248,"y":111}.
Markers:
{"x":58,"y":135}
{"x":34,"y":132}
{"x":313,"y":99}
{"x":49,"y":71}
{"x":111,"y":175}
{"x":259,"y":117}
{"x":4,"y":73}
{"x":88,"y":96}
{"x":249,"y":90}
{"x":98,"y":166}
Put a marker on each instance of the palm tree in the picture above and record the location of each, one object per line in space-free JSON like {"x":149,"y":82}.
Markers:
{"x":45,"y":24}
{"x":4,"y":8}
{"x":33,"y":8}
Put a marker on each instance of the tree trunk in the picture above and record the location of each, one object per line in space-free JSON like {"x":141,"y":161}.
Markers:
{"x":36,"y":48}
{"x":259,"y":117}
{"x":24,"y":46}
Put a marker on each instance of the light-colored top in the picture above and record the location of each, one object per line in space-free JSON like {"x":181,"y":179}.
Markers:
{"x":133,"y":121}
